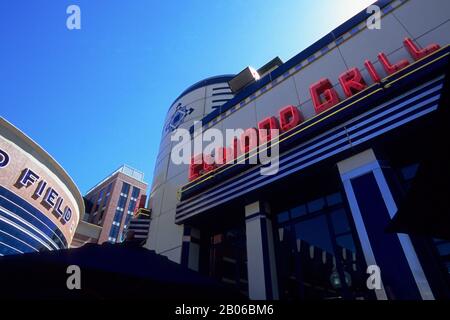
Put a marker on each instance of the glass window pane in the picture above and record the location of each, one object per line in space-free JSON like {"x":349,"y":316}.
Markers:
{"x":410,"y":172}
{"x":108,"y":189}
{"x":135,"y":192}
{"x":334,"y":199}
{"x":125,"y":188}
{"x":283,"y":217}
{"x":346,"y":242}
{"x":315,"y":232}
{"x":340,"y":221}
{"x":316,"y":205}
{"x":444,"y":249}
{"x":100,"y":197}
{"x":298,"y":211}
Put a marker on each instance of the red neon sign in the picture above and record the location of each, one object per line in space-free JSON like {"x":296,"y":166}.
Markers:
{"x":324,"y":89}
{"x":289,"y":118}
{"x":264,"y":127}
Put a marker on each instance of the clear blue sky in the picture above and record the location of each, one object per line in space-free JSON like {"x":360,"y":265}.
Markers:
{"x":96,"y":98}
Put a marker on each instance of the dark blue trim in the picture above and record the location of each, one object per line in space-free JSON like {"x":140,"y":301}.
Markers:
{"x":220,"y":100}
{"x":386,"y":246}
{"x":305,"y":54}
{"x":10,"y":235}
{"x":59,"y":244}
{"x":221,"y":88}
{"x":40,"y":220}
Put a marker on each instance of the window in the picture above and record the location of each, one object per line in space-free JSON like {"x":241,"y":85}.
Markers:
{"x":115,"y":228}
{"x":225,"y":258}
{"x":135,"y":193}
{"x":340,"y":221}
{"x":100,"y":197}
{"x":346,"y":242}
{"x":108,"y":190}
{"x":131,"y":208}
{"x":334,"y":199}
{"x":107,"y":195}
{"x":315,"y":232}
{"x":409,"y":172}
{"x":100,"y":217}
{"x":311,"y":207}
{"x":299,"y":211}
{"x":316,"y":205}
{"x":444,"y":248}
{"x":283,"y":217}
{"x":122,"y":201}
{"x":318,"y":252}
{"x":125,"y":189}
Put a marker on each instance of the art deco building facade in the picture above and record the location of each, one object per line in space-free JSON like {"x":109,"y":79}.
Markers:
{"x":357,"y":111}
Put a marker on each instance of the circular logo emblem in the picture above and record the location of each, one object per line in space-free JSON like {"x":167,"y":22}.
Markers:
{"x":181,"y":112}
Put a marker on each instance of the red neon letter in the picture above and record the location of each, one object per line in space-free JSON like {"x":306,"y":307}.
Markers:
{"x":289,"y":118}
{"x":195,"y":167}
{"x":235,"y":146}
{"x":223,"y":155}
{"x":265,"y":126}
{"x":325,"y":88}
{"x":352,"y":82}
{"x":372,"y":71}
{"x":249,"y":140}
{"x":391,"y":68}
{"x":418,"y":53}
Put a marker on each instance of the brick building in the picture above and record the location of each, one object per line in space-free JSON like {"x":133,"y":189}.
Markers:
{"x":111,"y":203}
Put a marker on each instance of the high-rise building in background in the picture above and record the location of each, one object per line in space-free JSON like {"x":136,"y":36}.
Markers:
{"x":356,"y":111}
{"x":111,"y":204}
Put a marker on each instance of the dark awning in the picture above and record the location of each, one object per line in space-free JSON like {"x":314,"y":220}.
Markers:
{"x":108,"y":271}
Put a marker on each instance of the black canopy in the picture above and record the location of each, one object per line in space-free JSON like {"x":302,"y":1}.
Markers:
{"x":108,"y":271}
